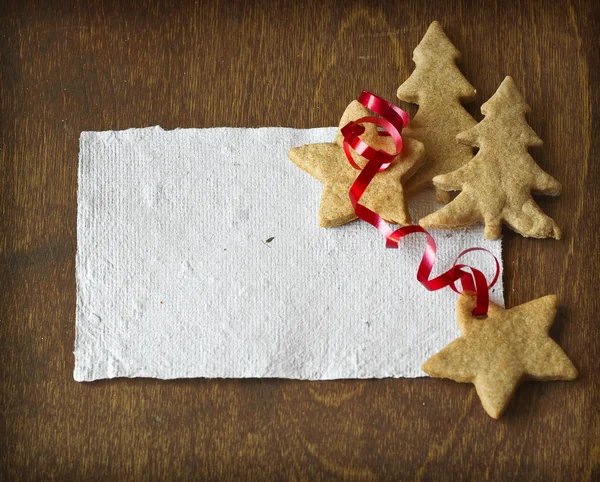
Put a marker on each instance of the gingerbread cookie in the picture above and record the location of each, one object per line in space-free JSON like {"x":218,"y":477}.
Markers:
{"x":497,"y":183}
{"x":439,"y":87}
{"x":328,"y":163}
{"x":499,"y":352}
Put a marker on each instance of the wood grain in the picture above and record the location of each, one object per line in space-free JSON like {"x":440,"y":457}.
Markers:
{"x":69,"y":66}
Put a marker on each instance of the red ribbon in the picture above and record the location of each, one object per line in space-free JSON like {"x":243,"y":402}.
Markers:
{"x":393,"y":121}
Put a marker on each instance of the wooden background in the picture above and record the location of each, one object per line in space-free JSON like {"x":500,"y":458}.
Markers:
{"x":70,"y":66}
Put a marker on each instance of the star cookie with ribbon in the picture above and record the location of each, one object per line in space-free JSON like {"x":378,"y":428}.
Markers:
{"x":327,"y":162}
{"x":499,"y":352}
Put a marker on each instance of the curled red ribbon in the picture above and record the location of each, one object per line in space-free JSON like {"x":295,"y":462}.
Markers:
{"x":393,"y":120}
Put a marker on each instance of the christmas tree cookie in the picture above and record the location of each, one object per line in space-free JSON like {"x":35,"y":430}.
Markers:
{"x":499,"y":352}
{"x":498,"y":182}
{"x":328,"y":163}
{"x":439,"y":87}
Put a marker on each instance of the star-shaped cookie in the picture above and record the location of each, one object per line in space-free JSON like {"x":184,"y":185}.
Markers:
{"x":385,"y":195}
{"x":499,"y":352}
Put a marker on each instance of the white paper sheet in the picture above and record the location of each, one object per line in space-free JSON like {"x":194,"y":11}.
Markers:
{"x":177,"y":274}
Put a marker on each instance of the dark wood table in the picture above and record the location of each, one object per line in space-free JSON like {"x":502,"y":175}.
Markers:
{"x":70,"y":66}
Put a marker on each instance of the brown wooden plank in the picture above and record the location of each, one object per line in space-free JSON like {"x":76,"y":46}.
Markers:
{"x":69,"y":66}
